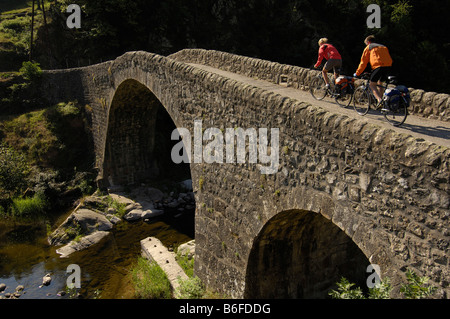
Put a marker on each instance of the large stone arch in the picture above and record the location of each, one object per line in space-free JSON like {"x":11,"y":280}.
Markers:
{"x":301,"y":254}
{"x":137,"y":143}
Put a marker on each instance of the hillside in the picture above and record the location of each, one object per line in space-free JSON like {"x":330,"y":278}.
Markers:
{"x":281,"y":31}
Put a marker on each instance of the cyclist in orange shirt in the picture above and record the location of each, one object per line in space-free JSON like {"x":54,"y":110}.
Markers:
{"x":334,"y":60}
{"x":380,"y":60}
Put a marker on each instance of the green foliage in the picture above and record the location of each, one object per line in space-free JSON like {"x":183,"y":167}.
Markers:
{"x":74,"y":232}
{"x":14,"y":170}
{"x":118,"y":207}
{"x":346,"y":291}
{"x":191,"y":288}
{"x":29,"y":207}
{"x":382,"y":290}
{"x":186,"y":263}
{"x":400,"y":11}
{"x":416,"y":288}
{"x":7,"y":5}
{"x":16,"y":31}
{"x":30,"y":71}
{"x":150,"y":281}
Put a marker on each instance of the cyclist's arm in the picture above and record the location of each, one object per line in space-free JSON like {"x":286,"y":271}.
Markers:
{"x":365,"y":58}
{"x":320,"y":58}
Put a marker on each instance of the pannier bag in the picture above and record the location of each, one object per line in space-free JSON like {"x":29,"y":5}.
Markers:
{"x":342,"y":84}
{"x":394,"y":96}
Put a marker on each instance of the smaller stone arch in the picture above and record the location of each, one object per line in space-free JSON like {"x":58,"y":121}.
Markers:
{"x":301,"y":254}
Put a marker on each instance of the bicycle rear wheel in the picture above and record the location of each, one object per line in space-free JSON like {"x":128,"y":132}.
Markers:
{"x":317,"y":87}
{"x":344,"y":99}
{"x":397,"y":115}
{"x":361,"y":100}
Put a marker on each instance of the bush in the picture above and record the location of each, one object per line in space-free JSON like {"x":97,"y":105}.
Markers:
{"x":150,"y":281}
{"x":29,"y":207}
{"x":416,"y":288}
{"x":30,"y":71}
{"x":13,"y":170}
{"x":191,"y":288}
{"x":346,"y":291}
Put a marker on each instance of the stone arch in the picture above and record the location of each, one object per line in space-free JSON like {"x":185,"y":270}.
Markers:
{"x":137,"y":145}
{"x":301,"y":254}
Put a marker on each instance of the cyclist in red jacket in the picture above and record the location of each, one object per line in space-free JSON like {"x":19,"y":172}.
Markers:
{"x":334,"y":60}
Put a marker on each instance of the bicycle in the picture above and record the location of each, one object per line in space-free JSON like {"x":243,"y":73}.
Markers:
{"x":395,"y":112}
{"x":342,"y":96}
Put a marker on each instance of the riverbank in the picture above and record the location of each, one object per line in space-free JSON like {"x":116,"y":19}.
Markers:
{"x":105,"y":266}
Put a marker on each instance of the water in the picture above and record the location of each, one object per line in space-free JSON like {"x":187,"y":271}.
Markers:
{"x":26,"y":257}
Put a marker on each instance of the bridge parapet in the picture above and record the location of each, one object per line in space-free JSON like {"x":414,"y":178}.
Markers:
{"x":431,"y":105}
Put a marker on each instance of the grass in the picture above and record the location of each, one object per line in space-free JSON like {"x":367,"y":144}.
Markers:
{"x":191,"y":288}
{"x":15,"y":27}
{"x":29,"y":207}
{"x":51,"y":137}
{"x":13,"y":5}
{"x":31,"y":134}
{"x":150,"y":281}
{"x":118,"y":207}
{"x":186,"y":263}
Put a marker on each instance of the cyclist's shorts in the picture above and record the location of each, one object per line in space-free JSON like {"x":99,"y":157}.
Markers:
{"x":335,"y":64}
{"x":380,"y":74}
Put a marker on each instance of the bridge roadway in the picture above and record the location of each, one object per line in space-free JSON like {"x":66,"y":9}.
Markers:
{"x":434,"y":131}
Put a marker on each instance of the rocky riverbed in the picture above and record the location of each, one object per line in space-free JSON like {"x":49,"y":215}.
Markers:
{"x":96,"y":215}
{"x":122,"y":218}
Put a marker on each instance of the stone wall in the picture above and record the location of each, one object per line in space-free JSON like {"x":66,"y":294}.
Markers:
{"x":426,"y":104}
{"x":386,"y":191}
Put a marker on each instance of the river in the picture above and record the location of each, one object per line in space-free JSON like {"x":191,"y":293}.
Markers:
{"x":26,"y":257}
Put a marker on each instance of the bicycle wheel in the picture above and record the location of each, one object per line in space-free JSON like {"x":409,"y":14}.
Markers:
{"x":361,"y":100}
{"x":344,"y":99}
{"x":397,"y":115}
{"x":317,"y":87}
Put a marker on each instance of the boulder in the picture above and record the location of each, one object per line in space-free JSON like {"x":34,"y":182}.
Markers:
{"x":81,"y":244}
{"x":121,"y":199}
{"x":134,"y":215}
{"x":155,"y":194}
{"x":80,"y":222}
{"x":173,"y":204}
{"x":113,"y":219}
{"x":151,"y":213}
{"x":187,"y":249}
{"x":46,"y":280}
{"x":187,"y":184}
{"x":91,"y":221}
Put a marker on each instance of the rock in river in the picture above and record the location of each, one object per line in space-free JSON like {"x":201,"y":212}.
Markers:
{"x":81,"y":244}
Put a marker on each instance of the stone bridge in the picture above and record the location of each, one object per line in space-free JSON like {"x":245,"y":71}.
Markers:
{"x":349,"y":191}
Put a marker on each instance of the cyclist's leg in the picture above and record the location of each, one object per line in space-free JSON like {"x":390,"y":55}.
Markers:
{"x":373,"y":83}
{"x":327,"y":67}
{"x":325,"y":76}
{"x":337,"y":70}
{"x":383,"y":78}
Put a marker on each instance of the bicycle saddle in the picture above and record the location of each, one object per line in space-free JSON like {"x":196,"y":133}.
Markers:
{"x":392,"y":78}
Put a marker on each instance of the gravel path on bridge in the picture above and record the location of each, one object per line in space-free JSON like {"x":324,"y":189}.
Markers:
{"x":430,"y":130}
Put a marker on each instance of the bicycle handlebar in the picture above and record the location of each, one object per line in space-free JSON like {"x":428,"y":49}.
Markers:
{"x":364,"y":76}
